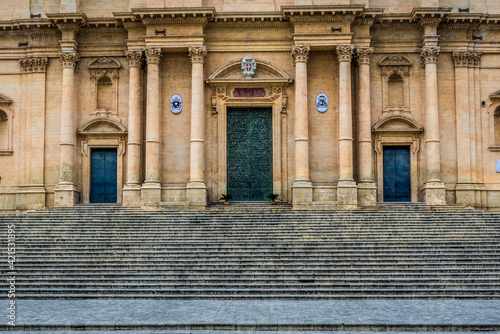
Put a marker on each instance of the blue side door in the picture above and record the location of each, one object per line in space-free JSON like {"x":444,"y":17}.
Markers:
{"x":103,"y":187}
{"x":397,"y":180}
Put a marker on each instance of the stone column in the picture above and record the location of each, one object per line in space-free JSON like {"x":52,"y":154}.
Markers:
{"x":302,"y":190}
{"x":434,"y":189}
{"x":132,"y":189}
{"x":66,"y":192}
{"x":196,"y":190}
{"x":463,"y":189}
{"x":346,"y":188}
{"x":151,"y":188}
{"x":367,"y":191}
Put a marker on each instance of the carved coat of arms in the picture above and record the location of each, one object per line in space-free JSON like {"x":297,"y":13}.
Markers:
{"x":248,"y":65}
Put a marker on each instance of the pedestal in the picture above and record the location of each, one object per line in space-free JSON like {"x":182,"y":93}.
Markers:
{"x":150,"y":196}
{"x":347,"y":195}
{"x":367,"y":194}
{"x":196,"y":197}
{"x":434,"y":193}
{"x":302,"y":195}
{"x":131,"y":196}
{"x":66,"y":195}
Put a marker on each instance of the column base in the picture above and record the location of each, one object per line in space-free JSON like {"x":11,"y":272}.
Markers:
{"x":151,"y":195}
{"x":302,"y":195}
{"x":367,"y":193}
{"x":131,"y":195}
{"x":468,"y":194}
{"x":347,"y":195}
{"x":196,"y":196}
{"x":434,"y":193}
{"x":32,"y":198}
{"x":66,"y":195}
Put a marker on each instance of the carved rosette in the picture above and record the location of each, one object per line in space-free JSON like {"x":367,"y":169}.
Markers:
{"x":363,"y":55}
{"x":300,"y":53}
{"x":198,"y":54}
{"x":430,"y":54}
{"x":153,"y":56}
{"x":134,"y":58}
{"x":345,"y":52}
{"x":34,"y":64}
{"x":69,"y":59}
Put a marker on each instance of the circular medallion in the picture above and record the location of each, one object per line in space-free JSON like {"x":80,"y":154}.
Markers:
{"x":322,"y":102}
{"x":176,"y":104}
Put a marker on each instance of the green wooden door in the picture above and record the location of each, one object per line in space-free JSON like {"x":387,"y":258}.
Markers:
{"x":249,"y":153}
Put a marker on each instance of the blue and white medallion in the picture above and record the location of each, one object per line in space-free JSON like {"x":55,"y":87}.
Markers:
{"x":176,"y":104}
{"x":322,"y":102}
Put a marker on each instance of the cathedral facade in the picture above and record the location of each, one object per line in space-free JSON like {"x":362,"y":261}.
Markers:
{"x":328,"y":104}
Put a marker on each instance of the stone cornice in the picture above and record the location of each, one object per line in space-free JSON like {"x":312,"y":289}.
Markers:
{"x":153,"y":56}
{"x":344,"y":52}
{"x":69,"y":59}
{"x":33,"y":64}
{"x":300,"y":53}
{"x":249,"y":17}
{"x":307,"y":10}
{"x":68,"y":21}
{"x":198,"y":54}
{"x":430,"y":15}
{"x":429,"y":54}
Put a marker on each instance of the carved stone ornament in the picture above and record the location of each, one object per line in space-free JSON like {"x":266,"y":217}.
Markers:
{"x":69,"y":59}
{"x":33,"y":64}
{"x":176,"y":104}
{"x":363,"y":55}
{"x":466,"y":59}
{"x":344,"y":52}
{"x":198,"y":54}
{"x":248,"y":65}
{"x":300,"y":53}
{"x":153,"y":56}
{"x":430,"y":54}
{"x":135,"y":58}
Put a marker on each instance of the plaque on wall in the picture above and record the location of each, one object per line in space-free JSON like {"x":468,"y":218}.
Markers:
{"x":322,"y":102}
{"x":249,"y":92}
{"x":176,"y":104}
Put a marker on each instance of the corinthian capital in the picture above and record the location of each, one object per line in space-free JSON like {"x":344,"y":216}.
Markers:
{"x":33,"y":64}
{"x":134,"y":58}
{"x":198,"y":54}
{"x":461,"y":59}
{"x":345,"y":52}
{"x":69,"y":59}
{"x":430,"y":54}
{"x":363,"y":55}
{"x":475,"y":58}
{"x":153,"y":56}
{"x":300,"y":53}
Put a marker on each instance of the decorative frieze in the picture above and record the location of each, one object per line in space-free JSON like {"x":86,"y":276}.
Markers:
{"x":363,"y":55}
{"x":198,"y":54}
{"x":345,"y":52}
{"x":300,"y":53}
{"x":153,"y":56}
{"x":69,"y":59}
{"x":34,"y":64}
{"x":430,"y":54}
{"x":134,"y":58}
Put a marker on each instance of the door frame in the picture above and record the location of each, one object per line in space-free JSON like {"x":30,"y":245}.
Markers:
{"x":409,"y":153}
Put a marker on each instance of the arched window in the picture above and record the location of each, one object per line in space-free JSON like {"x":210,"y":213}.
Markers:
{"x":396,"y":91}
{"x":496,"y":120}
{"x":104,"y":93}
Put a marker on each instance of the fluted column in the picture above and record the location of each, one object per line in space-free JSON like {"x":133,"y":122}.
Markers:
{"x":302,"y":187}
{"x":151,"y":188}
{"x":66,"y":191}
{"x":196,"y":191}
{"x":434,"y":190}
{"x":131,"y":191}
{"x":346,"y":188}
{"x":366,"y":187}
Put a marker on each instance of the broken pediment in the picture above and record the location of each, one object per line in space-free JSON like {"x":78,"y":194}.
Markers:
{"x":5,"y":100}
{"x":104,"y":62}
{"x":395,"y":60}
{"x":495,"y":95}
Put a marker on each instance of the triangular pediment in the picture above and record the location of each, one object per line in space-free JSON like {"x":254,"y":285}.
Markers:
{"x":105,"y":62}
{"x":395,"y":60}
{"x":263,"y":70}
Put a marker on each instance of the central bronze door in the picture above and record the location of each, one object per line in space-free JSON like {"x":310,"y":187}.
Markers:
{"x":249,"y":153}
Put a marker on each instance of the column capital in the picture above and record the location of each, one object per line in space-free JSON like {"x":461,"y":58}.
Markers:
{"x":466,"y":58}
{"x":300,"y":53}
{"x":33,"y":64}
{"x":153,"y":55}
{"x":475,"y":58}
{"x":345,"y":52}
{"x":429,"y":54}
{"x":134,"y":58}
{"x":69,"y":59}
{"x":198,"y":54}
{"x":363,"y":55}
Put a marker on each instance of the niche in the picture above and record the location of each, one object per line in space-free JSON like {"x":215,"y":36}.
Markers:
{"x":496,"y":125}
{"x":395,"y":72}
{"x":6,"y":115}
{"x":104,"y":74}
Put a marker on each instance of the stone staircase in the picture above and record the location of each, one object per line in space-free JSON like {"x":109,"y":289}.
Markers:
{"x":255,"y":251}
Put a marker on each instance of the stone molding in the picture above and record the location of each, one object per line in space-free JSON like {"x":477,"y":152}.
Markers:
{"x":69,"y":59}
{"x":430,"y":54}
{"x":345,"y":52}
{"x":300,"y":53}
{"x":363,"y":55}
{"x":135,"y":58}
{"x":198,"y":54}
{"x":153,"y":56}
{"x":34,"y":64}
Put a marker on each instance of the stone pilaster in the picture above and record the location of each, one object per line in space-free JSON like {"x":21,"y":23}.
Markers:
{"x":367,"y":191}
{"x":66,"y":192}
{"x":434,"y":189}
{"x":346,"y":188}
{"x":302,"y":190}
{"x":151,"y":188}
{"x":132,"y":189}
{"x":196,"y":190}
